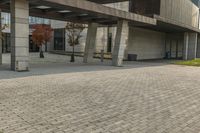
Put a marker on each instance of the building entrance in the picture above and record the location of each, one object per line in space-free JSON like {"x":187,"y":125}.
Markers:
{"x":32,"y":47}
{"x":174,"y":49}
{"x":59,"y":39}
{"x":6,"y":43}
{"x":109,"y":45}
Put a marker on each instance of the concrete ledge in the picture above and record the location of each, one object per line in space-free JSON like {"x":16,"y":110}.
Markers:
{"x":99,"y":10}
{"x":176,"y":23}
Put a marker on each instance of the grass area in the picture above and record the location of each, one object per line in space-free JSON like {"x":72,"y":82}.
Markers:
{"x":195,"y":62}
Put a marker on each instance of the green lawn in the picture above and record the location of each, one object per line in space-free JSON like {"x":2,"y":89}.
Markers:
{"x":195,"y":62}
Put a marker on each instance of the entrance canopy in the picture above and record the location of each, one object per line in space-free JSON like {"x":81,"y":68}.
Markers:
{"x":81,"y":11}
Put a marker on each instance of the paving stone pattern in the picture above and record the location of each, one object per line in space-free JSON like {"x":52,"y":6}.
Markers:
{"x":155,"y":98}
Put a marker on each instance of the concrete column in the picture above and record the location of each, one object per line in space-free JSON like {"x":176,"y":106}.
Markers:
{"x":190,"y":46}
{"x":185,"y":47}
{"x":90,"y":42}
{"x":120,"y":43}
{"x":19,"y":35}
{"x":198,"y":46}
{"x":0,"y":41}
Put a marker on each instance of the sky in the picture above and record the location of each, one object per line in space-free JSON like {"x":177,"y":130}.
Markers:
{"x":196,"y":2}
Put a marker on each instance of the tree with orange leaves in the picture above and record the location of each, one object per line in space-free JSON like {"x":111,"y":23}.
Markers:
{"x":41,"y":35}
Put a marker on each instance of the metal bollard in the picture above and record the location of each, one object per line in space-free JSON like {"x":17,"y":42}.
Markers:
{"x":102,"y":55}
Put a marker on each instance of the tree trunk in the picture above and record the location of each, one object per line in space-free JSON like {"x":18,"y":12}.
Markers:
{"x":72,"y":55}
{"x":41,"y":52}
{"x":46,"y":46}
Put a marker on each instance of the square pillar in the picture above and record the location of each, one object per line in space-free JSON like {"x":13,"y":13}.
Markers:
{"x":190,"y":46}
{"x":0,"y":51}
{"x":0,"y":41}
{"x":198,"y":46}
{"x":185,"y":47}
{"x":120,"y":43}
{"x":19,"y":35}
{"x":90,"y":42}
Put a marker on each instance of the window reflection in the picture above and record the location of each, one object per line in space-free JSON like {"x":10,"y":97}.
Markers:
{"x":32,"y":20}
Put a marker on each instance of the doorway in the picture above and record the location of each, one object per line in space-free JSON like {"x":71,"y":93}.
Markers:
{"x":59,"y":39}
{"x":6,"y":48}
{"x":109,"y":45}
{"x":32,"y":47}
{"x":174,"y":49}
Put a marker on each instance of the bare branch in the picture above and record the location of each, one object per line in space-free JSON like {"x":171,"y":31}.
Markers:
{"x":74,"y":31}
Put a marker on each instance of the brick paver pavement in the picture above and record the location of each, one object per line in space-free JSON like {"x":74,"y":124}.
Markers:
{"x":137,"y":98}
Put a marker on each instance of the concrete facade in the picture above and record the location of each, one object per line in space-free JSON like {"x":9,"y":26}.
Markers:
{"x":180,"y":11}
{"x":146,"y":44}
{"x":19,"y":35}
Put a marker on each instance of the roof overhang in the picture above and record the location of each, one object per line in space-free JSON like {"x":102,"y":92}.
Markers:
{"x":170,"y":26}
{"x":82,"y":11}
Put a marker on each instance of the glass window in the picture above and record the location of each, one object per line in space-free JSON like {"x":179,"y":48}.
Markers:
{"x":32,"y":20}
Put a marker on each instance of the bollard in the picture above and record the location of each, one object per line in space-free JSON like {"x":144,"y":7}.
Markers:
{"x":102,"y":55}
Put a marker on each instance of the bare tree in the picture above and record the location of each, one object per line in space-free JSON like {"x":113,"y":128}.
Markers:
{"x":2,"y":27}
{"x":74,"y":31}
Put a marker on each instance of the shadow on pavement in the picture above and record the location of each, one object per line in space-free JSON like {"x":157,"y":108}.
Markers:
{"x":60,"y":68}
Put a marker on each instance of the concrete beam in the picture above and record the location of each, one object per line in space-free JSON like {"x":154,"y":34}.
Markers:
{"x":90,"y":42}
{"x":190,"y":46}
{"x":120,"y":43}
{"x":85,"y":6}
{"x":176,"y":24}
{"x":19,"y":35}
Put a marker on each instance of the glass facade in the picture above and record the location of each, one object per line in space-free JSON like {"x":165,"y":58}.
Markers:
{"x":7,"y":20}
{"x":59,"y":39}
{"x":32,"y":20}
{"x":36,"y":20}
